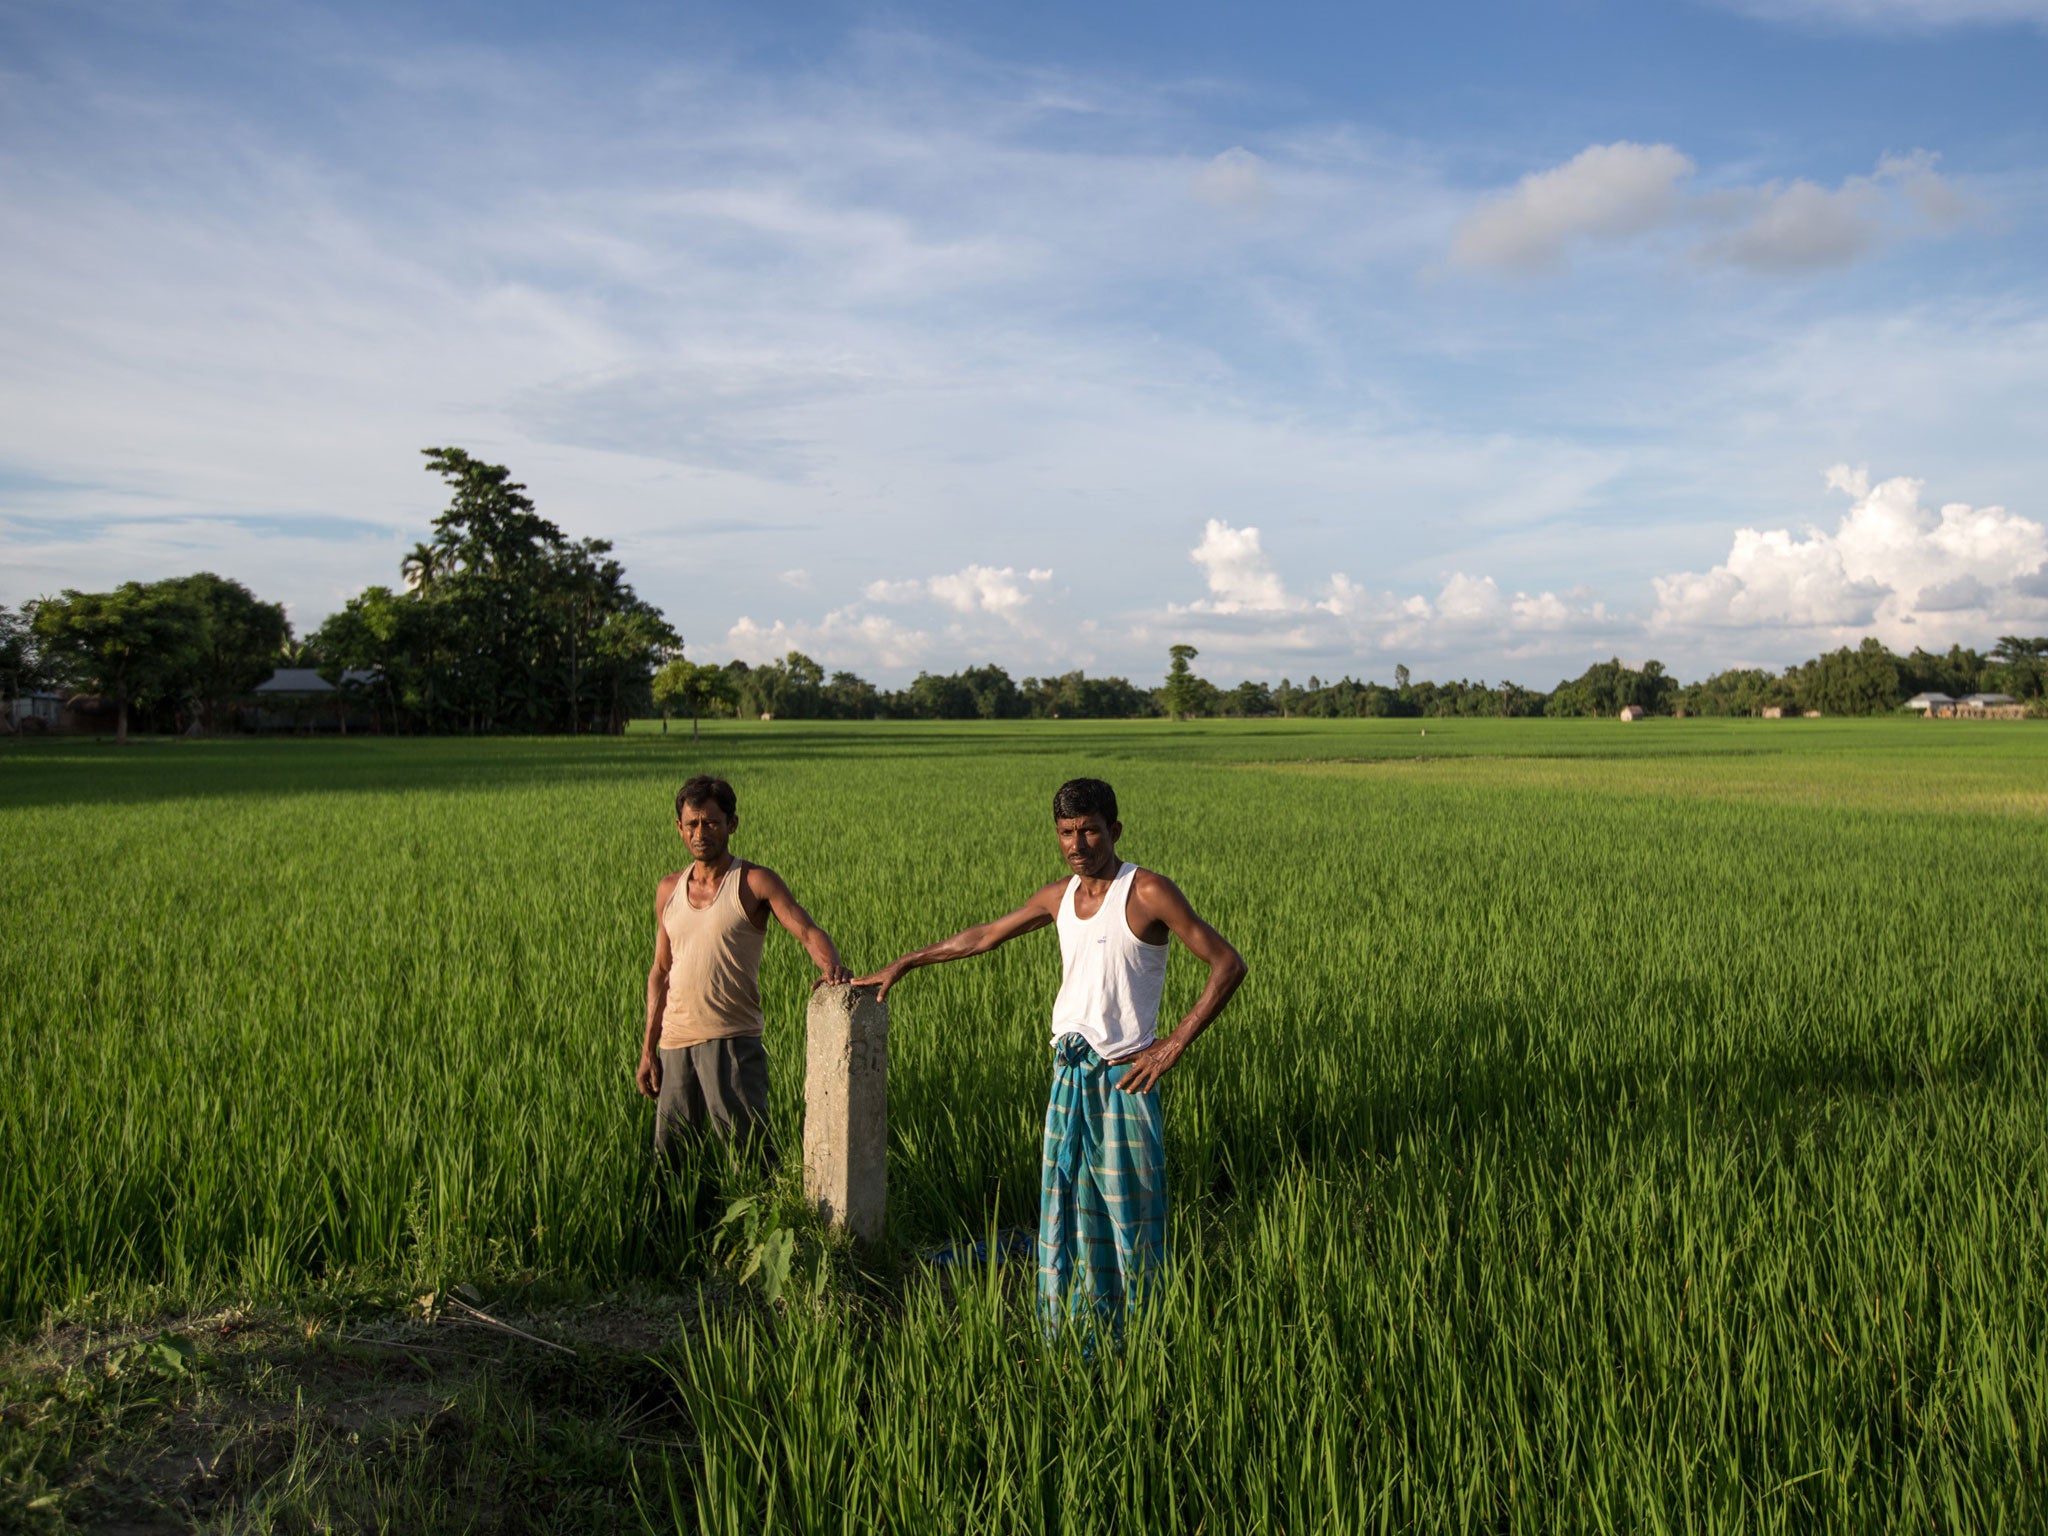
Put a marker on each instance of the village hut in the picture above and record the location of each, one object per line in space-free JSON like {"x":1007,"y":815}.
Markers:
{"x":36,"y":713}
{"x":299,"y":698}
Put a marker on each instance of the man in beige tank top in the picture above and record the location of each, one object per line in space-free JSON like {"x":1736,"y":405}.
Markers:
{"x":702,"y":1060}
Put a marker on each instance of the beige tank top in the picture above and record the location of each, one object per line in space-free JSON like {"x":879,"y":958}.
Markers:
{"x":714,"y":967}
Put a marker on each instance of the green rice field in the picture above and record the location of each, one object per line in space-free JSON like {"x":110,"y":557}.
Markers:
{"x":1623,"y":1128}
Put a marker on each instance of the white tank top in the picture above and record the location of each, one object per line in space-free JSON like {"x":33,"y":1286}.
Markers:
{"x":1111,"y":979}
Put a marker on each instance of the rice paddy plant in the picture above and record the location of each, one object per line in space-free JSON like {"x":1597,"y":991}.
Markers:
{"x":1622,"y":1128}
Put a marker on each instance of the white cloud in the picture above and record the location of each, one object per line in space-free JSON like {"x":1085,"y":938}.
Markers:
{"x":1235,"y":181}
{"x":1240,"y":578}
{"x":845,"y":637}
{"x":880,"y":591}
{"x":1468,"y":612}
{"x":980,"y":589}
{"x":973,"y":589}
{"x":1618,"y":192}
{"x":1897,"y":15}
{"x":1605,"y":191}
{"x":1938,"y":199}
{"x":798,"y":580}
{"x":1890,"y":567}
{"x":1801,"y":227}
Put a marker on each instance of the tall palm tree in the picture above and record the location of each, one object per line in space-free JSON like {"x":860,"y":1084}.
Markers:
{"x":425,"y":565}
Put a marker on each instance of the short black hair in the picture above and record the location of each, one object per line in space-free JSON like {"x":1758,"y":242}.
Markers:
{"x":704,"y":788}
{"x":1085,"y":797}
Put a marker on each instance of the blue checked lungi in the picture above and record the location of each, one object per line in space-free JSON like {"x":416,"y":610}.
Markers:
{"x":1102,"y":1191}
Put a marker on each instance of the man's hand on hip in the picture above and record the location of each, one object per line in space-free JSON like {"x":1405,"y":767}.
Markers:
{"x":1145,"y":1068}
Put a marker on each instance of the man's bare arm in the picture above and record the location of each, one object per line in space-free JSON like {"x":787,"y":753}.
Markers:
{"x":773,"y":889}
{"x":1159,"y":900}
{"x":649,"y":1074}
{"x":1040,"y":910}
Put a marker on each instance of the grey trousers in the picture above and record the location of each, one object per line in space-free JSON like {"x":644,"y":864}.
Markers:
{"x":719,"y":1088}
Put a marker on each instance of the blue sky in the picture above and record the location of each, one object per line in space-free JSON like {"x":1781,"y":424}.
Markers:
{"x":1490,"y":339}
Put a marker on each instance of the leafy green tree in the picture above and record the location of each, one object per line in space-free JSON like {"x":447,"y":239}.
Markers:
{"x":23,"y":668}
{"x":1608,"y":687}
{"x":995,"y":695}
{"x":1184,"y":694}
{"x":390,"y":637}
{"x":1249,"y":700}
{"x":688,"y":685}
{"x":626,"y":648}
{"x":849,"y":697}
{"x":1737,"y":691}
{"x":789,"y":689}
{"x":2020,"y":666}
{"x":932,"y":696}
{"x":239,"y":641}
{"x":132,"y":644}
{"x":1862,"y":681}
{"x":504,"y":623}
{"x":803,"y":672}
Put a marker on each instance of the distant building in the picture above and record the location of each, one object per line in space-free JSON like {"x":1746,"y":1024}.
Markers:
{"x":1633,"y":712}
{"x":1774,"y":712}
{"x":299,"y":698}
{"x":36,"y":714}
{"x":1973,"y":706}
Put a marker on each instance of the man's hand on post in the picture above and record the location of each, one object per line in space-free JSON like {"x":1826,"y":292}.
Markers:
{"x":883,"y":979}
{"x":649,"y":1076}
{"x":1145,"y":1068}
{"x":835,"y":975}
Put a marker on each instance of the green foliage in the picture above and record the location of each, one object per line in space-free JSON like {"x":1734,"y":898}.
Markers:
{"x":1076,"y":696}
{"x":1864,"y":681}
{"x":2020,"y":667}
{"x":762,"y":1243}
{"x":1738,"y":691}
{"x":23,"y":667}
{"x":1184,"y":696}
{"x":136,"y":645}
{"x":1606,"y":688}
{"x":694,"y":689}
{"x":978,"y":693}
{"x":505,"y":623}
{"x":240,"y":639}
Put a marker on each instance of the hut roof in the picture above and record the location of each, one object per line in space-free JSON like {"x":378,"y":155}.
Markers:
{"x":308,"y":680}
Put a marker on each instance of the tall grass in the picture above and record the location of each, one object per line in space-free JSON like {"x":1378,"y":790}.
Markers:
{"x":1622,"y":1128}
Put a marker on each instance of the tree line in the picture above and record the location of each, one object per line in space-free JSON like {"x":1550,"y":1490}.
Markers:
{"x":1866,"y":679}
{"x":503,"y":624}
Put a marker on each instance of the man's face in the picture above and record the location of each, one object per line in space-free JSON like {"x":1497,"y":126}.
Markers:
{"x":1088,"y":843}
{"x":706,"y":830}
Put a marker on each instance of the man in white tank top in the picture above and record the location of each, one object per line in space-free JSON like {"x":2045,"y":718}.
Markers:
{"x":1102,"y":1181}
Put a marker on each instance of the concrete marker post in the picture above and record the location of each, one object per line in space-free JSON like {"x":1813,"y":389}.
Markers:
{"x":846,"y":1109}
